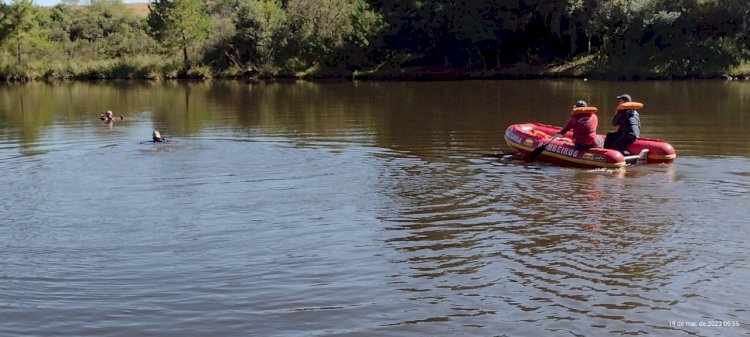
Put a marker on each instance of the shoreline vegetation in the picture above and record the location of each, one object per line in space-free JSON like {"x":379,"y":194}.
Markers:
{"x":375,"y":40}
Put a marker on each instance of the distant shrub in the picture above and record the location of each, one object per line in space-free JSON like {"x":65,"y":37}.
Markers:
{"x":199,"y":72}
{"x":19,"y":73}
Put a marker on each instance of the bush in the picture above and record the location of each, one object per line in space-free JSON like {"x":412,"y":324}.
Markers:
{"x":199,"y":72}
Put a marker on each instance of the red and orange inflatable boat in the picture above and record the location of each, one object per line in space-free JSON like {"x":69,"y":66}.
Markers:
{"x":524,"y":138}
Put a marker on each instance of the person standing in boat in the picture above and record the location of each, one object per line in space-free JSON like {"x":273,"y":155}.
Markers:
{"x":628,"y":124}
{"x":583,"y":121}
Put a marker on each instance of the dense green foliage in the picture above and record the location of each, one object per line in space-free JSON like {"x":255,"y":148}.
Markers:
{"x":638,"y":38}
{"x":179,"y":23}
{"x":278,"y":38}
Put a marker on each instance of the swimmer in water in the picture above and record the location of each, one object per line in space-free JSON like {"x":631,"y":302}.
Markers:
{"x":156,"y":136}
{"x":109,"y":116}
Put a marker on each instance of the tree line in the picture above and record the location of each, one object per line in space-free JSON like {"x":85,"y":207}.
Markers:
{"x":632,"y":39}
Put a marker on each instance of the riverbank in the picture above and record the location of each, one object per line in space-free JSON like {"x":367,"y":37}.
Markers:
{"x":584,"y":67}
{"x":155,"y":68}
{"x":411,"y":40}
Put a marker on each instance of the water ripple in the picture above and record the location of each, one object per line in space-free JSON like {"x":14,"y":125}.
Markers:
{"x":289,"y":231}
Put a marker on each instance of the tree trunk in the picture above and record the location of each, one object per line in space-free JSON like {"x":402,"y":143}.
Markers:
{"x":497,"y":54}
{"x":573,"y":38}
{"x":18,"y":49}
{"x":184,"y":48}
{"x":481,"y":57}
{"x":556,"y":24}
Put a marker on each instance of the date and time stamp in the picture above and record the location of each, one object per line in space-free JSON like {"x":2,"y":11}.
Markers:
{"x":704,"y":324}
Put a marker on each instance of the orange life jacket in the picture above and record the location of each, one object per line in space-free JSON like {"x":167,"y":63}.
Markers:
{"x":629,"y":106}
{"x":583,"y":110}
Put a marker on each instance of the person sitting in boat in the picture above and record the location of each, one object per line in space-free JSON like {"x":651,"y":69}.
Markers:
{"x":628,"y":124}
{"x":583,"y":121}
{"x":109,"y":116}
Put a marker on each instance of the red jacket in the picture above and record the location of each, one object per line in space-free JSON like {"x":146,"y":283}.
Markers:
{"x":583,"y":122}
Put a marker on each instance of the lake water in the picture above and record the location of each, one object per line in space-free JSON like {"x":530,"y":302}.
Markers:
{"x":366,"y":209}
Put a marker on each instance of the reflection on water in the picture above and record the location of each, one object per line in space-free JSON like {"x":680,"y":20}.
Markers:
{"x":544,"y":247}
{"x":362,"y":209}
{"x":404,"y":114}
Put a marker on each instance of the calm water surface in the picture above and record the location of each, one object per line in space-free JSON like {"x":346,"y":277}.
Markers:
{"x":366,"y":209}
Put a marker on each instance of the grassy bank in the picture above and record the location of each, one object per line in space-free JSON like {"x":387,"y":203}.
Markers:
{"x":158,"y":68}
{"x":741,"y":72}
{"x":146,"y":67}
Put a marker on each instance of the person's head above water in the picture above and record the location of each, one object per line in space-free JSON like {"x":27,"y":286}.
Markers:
{"x":156,"y":136}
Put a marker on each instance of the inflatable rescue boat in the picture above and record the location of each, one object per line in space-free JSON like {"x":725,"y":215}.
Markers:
{"x":525,"y":138}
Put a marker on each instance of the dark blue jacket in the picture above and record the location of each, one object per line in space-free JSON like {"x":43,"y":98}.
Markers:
{"x":628,"y":122}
